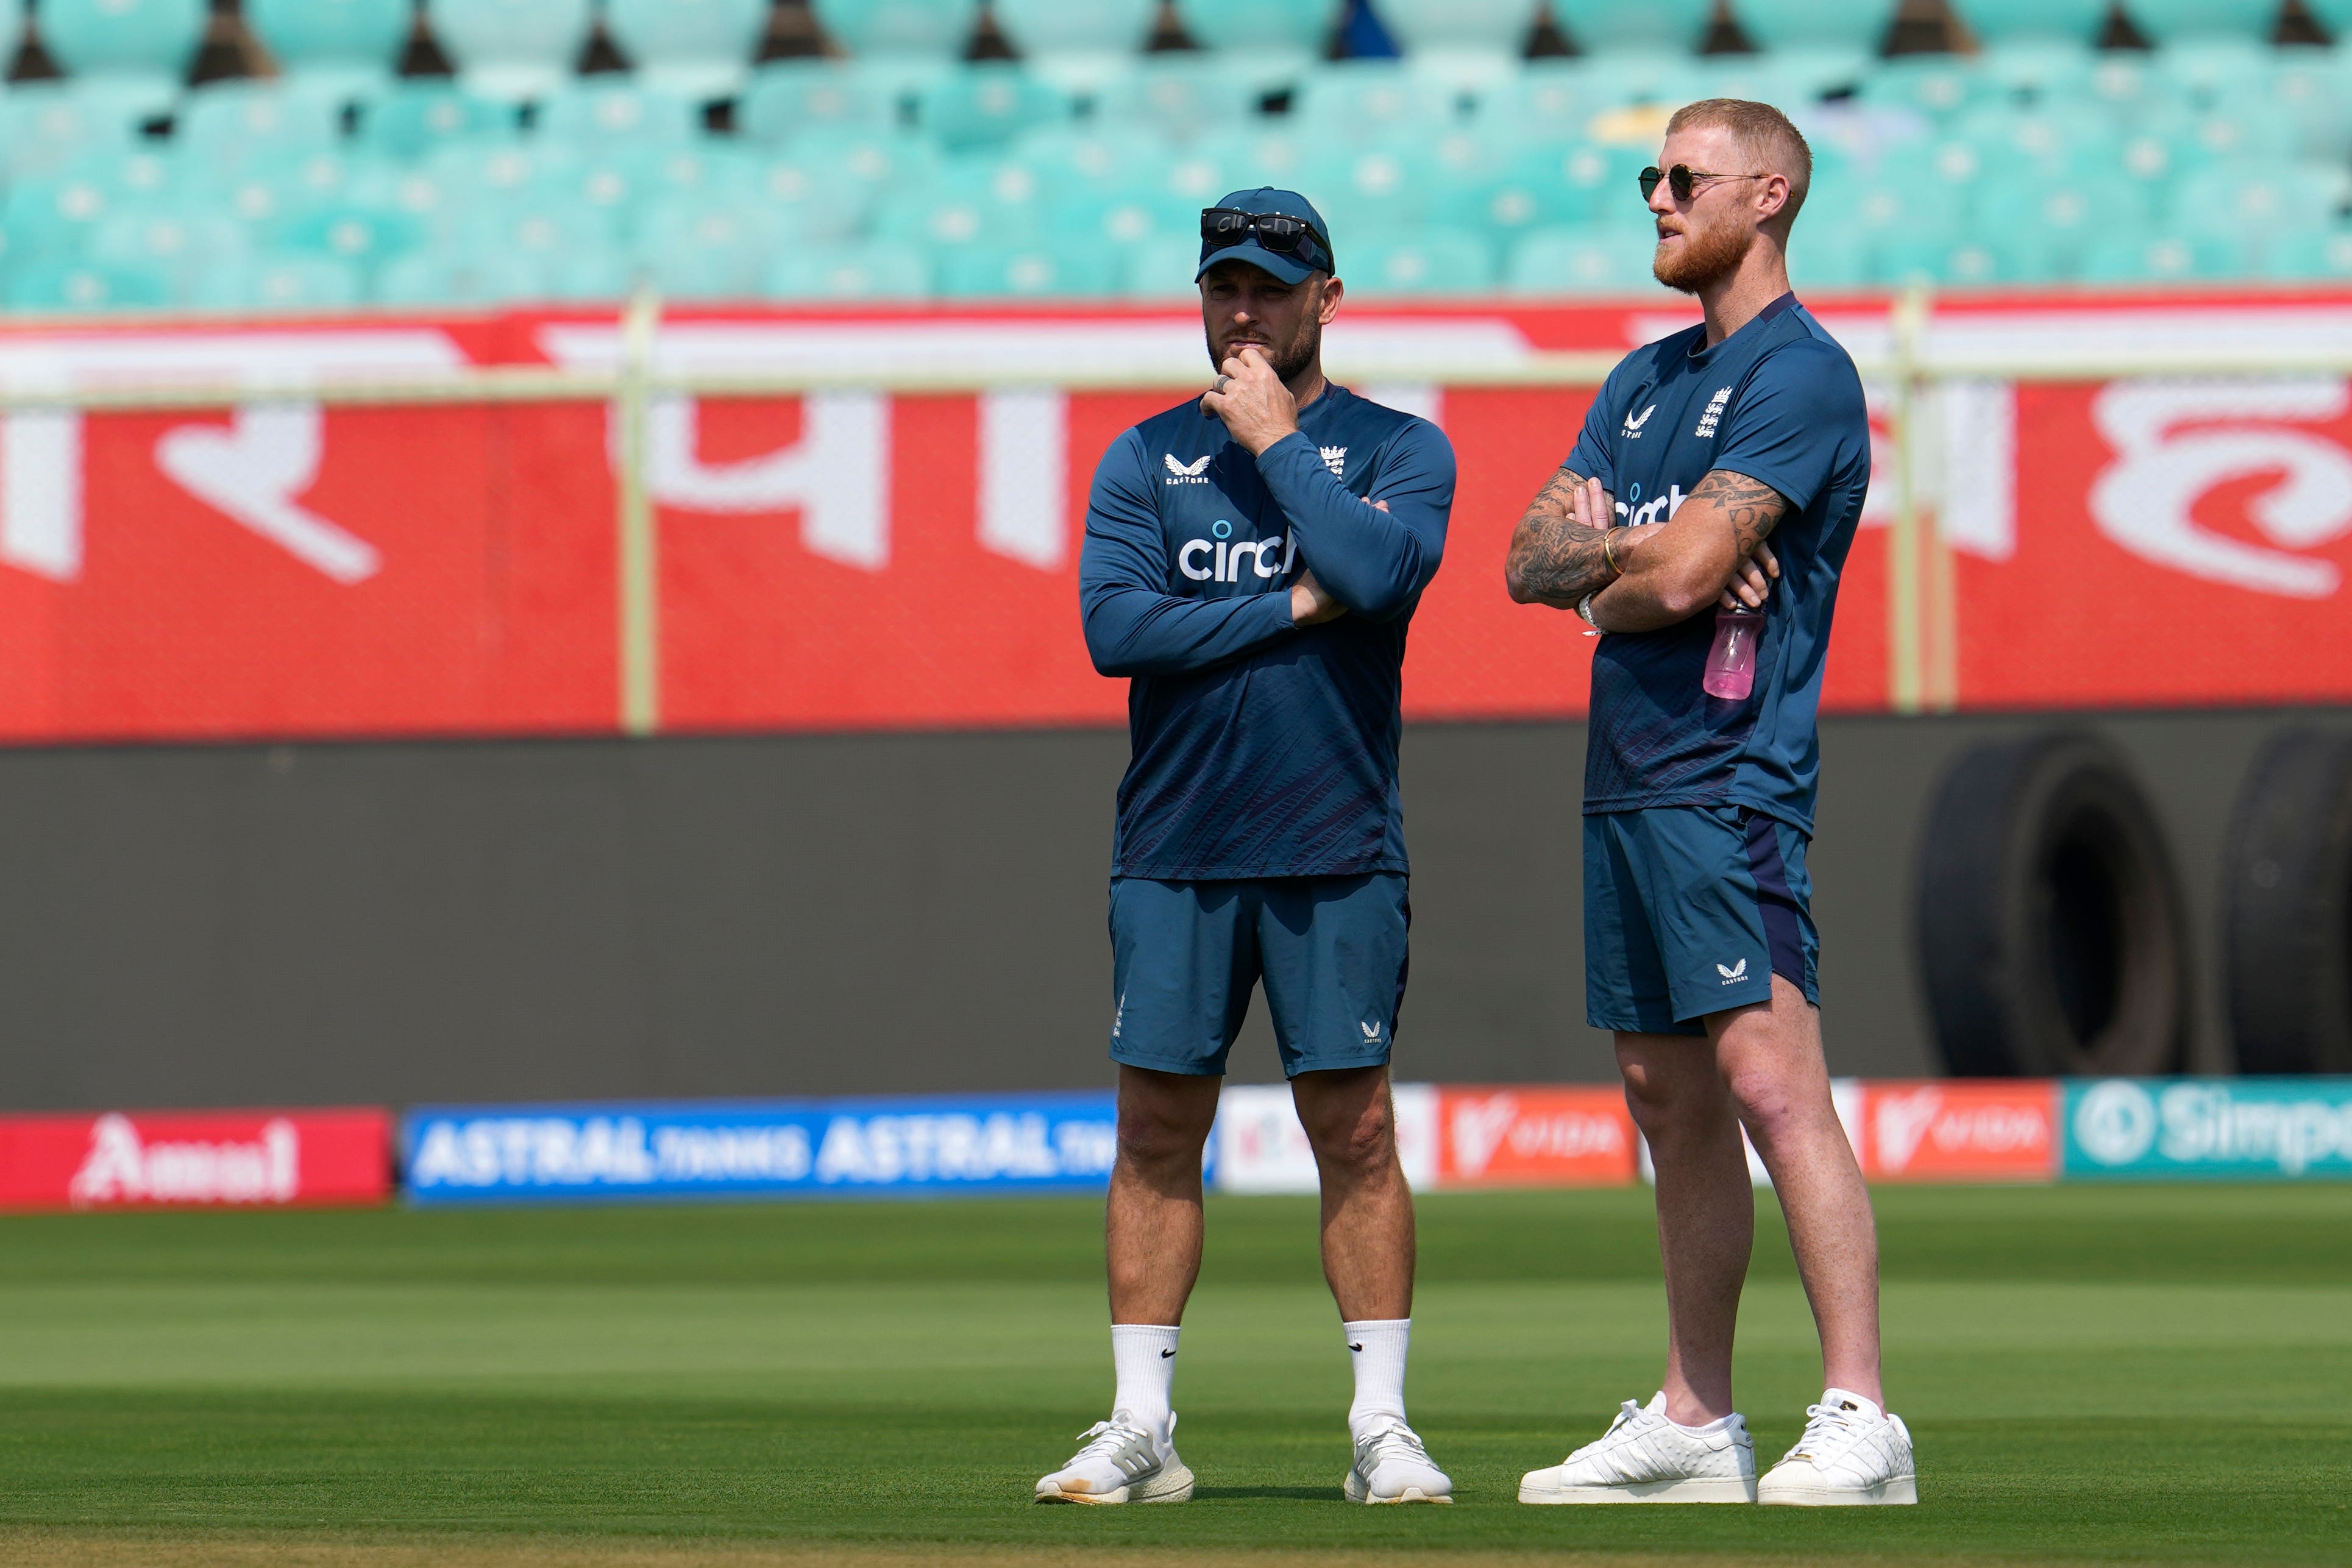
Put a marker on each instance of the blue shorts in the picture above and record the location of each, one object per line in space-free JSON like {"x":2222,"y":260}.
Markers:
{"x":1186,"y":955}
{"x":1691,"y":910}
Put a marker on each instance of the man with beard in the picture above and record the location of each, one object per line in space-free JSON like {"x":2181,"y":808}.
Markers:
{"x":1699,"y":945}
{"x":1252,"y":560}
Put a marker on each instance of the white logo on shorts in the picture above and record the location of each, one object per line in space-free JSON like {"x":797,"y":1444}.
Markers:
{"x":1733,"y":973}
{"x":1371,"y":1030}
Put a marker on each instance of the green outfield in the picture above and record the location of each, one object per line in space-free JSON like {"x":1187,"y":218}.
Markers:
{"x":2092,"y":1374}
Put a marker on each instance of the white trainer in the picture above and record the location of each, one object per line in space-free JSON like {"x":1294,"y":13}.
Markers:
{"x":1852,"y":1453}
{"x":1392,"y":1466}
{"x":1120,"y":1462}
{"x":1644,"y":1458}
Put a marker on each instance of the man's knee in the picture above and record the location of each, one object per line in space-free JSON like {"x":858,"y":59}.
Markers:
{"x":1165,"y":1124}
{"x":1670,"y":1095}
{"x":1349,"y":1130}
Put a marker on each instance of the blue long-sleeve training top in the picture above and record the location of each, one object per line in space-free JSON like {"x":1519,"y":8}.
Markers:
{"x":1261,"y":748}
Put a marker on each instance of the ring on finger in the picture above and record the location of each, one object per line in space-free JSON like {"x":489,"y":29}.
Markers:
{"x":1225,"y":382}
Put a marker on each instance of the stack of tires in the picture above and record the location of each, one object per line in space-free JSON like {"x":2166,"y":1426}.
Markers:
{"x":2052,"y":929}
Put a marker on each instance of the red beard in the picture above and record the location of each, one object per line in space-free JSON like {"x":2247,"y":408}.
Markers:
{"x":1708,"y":255}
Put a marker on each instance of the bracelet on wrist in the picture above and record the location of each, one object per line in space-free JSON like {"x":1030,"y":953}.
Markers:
{"x":1609,"y":551}
{"x":1584,"y":608}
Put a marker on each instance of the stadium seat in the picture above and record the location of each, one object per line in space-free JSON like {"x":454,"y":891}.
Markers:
{"x":1899,"y":260}
{"x":2168,"y":22}
{"x":1831,"y":256}
{"x":81,"y":288}
{"x":362,"y":237}
{"x":697,"y":249}
{"x":1182,"y":96}
{"x":1372,"y":189}
{"x":902,"y":43}
{"x":277,"y":285}
{"x":2310,"y":257}
{"x":2165,"y":258}
{"x":1077,"y":45}
{"x":2312,"y":91}
{"x":457,"y":278}
{"x":54,"y":216}
{"x":606,"y":277}
{"x":140,"y":49}
{"x":963,"y":205}
{"x":791,"y":98}
{"x":609,"y":111}
{"x":1472,"y":43}
{"x":1161,"y":269}
{"x":698,"y":50}
{"x":1267,"y":153}
{"x":1858,"y":26}
{"x":2004,"y":22}
{"x":416,"y":117}
{"x":234,"y":123}
{"x":987,"y":106}
{"x":1268,"y":44}
{"x":879,"y":271}
{"x":348,"y":48}
{"x":1580,"y":260}
{"x":2260,"y":197}
{"x":811,"y":198}
{"x":988,"y":272}
{"x":1352,"y":99}
{"x":512,"y":49}
{"x":1603,"y":26}
{"x":44,"y":126}
{"x":1430,"y":263}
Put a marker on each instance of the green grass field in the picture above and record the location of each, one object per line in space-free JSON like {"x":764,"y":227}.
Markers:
{"x":2092,"y":1374}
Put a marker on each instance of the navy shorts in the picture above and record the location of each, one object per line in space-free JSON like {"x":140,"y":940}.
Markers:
{"x":1186,"y":955}
{"x":1691,"y":910}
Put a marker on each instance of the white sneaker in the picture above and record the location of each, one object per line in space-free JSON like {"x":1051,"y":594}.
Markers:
{"x":1121,"y":1462}
{"x":1392,"y":1466}
{"x":1644,"y":1458}
{"x":1852,"y":1453}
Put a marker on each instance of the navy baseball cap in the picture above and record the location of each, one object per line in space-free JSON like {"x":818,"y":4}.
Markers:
{"x":1313,"y":253}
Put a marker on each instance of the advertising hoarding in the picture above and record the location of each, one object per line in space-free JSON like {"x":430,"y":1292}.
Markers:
{"x":861,"y":558}
{"x":141,"y":1159}
{"x":1038,"y":1142}
{"x":1535,"y":1135}
{"x":2206,"y":1129}
{"x":1958,"y":1130}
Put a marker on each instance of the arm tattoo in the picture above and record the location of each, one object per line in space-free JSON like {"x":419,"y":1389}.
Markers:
{"x":1752,"y":508}
{"x":1553,"y":561}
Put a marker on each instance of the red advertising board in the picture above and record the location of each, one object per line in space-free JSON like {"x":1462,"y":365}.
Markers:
{"x":1534,"y":1135}
{"x":196,"y":1158}
{"x":1960,"y":1130}
{"x":859,"y":558}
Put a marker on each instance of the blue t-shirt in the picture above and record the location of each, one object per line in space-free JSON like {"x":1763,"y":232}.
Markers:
{"x":1779,"y":401}
{"x":1261,"y":748}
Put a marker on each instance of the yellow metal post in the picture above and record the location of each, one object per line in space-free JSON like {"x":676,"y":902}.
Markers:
{"x":640,"y":560}
{"x":1905,"y":644}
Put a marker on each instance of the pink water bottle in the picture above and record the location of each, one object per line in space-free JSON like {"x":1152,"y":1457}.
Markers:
{"x":1731,"y":662}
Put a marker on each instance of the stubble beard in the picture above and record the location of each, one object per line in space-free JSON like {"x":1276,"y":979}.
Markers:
{"x":1708,"y":255}
{"x":1290,"y":360}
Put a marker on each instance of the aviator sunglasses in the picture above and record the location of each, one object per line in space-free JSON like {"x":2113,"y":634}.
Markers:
{"x":1683,"y":180}
{"x":1281,"y":234}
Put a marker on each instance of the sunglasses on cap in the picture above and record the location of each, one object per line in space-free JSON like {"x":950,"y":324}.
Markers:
{"x":1683,"y":180}
{"x":1282,"y":234}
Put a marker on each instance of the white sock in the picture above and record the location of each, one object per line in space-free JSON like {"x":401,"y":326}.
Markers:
{"x":1376,"y":1350}
{"x":1144,"y":1357}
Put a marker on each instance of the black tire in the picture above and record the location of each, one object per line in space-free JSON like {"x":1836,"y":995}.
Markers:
{"x":2287,"y":907}
{"x":2050,"y":923}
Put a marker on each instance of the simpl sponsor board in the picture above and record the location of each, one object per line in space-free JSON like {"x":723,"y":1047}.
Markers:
{"x":239,"y":1158}
{"x":1534,"y":1136}
{"x":587,"y":1153}
{"x":2257,"y":1129}
{"x":1960,"y":1130}
{"x":1258,"y":1145}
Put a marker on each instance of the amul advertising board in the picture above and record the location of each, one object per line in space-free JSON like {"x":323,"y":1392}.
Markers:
{"x":241,"y":1159}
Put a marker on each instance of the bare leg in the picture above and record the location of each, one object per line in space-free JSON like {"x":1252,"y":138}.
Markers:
{"x":1368,"y":1236}
{"x":1706,"y":1212}
{"x":1771,"y":1062}
{"x":1153,"y":1222}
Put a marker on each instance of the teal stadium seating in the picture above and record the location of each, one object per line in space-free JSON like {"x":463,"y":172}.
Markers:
{"x":512,"y":49}
{"x":895,"y":169}
{"x":347,"y":48}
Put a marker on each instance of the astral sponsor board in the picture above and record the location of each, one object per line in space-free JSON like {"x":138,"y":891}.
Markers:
{"x":860,"y":558}
{"x":1259,"y":1147}
{"x":131,"y":1159}
{"x":1534,"y":1135}
{"x":1960,"y":1130}
{"x":1042,"y":1142}
{"x":2259,"y":1129}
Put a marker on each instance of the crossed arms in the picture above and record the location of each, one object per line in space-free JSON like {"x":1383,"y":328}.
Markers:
{"x":1711,"y":550}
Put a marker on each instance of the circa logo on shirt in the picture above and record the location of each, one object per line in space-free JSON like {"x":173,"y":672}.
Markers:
{"x":1214,"y":560}
{"x":1194,"y":472}
{"x":1633,"y":422}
